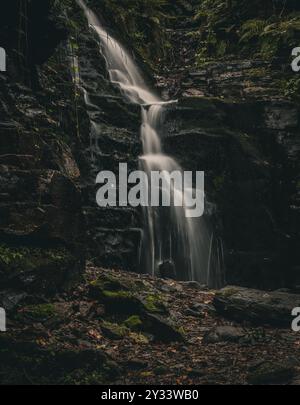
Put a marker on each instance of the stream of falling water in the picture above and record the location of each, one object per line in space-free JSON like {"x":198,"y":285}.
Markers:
{"x":181,"y":247}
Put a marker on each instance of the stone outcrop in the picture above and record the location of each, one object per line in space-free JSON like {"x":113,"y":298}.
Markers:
{"x":260,"y":307}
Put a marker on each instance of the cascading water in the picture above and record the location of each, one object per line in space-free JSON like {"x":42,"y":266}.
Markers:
{"x":185,"y":246}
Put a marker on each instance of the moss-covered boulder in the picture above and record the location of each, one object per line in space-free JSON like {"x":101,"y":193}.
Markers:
{"x":35,"y":269}
{"x":25,"y":362}
{"x":116,"y":301}
{"x":113,"y":330}
{"x":134,"y":323}
{"x":143,"y":306}
{"x":154,"y":304}
{"x":49,"y":314}
{"x":120,"y":296}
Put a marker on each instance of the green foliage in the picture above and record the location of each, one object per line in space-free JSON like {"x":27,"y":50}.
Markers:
{"x":252,"y":29}
{"x":133,"y":322}
{"x":40,"y":312}
{"x":154,"y":304}
{"x":246,"y":28}
{"x":15,"y":259}
{"x":290,"y":87}
{"x":142,"y":21}
{"x":270,"y":36}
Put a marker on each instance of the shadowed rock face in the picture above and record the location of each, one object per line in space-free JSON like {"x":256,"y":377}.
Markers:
{"x":230,"y":122}
{"x":251,"y":174}
{"x":42,"y":224}
{"x":30,"y":37}
{"x":49,"y":158}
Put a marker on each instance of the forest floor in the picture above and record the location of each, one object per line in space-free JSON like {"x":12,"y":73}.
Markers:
{"x":80,"y":328}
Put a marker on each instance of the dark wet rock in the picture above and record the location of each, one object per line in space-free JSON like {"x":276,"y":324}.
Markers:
{"x":164,"y":330}
{"x":166,"y":270}
{"x":48,"y":314}
{"x":169,"y":287}
{"x":203,"y":308}
{"x":32,"y":361}
{"x":224,"y":334}
{"x":192,"y":312}
{"x":195,"y":285}
{"x":261,"y":307}
{"x":135,"y":364}
{"x":272,"y":373}
{"x":37,"y":270}
{"x":196,"y":372}
{"x":10,"y":299}
{"x":244,"y":133}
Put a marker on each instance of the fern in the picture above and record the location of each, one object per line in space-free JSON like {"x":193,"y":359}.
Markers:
{"x":252,"y":29}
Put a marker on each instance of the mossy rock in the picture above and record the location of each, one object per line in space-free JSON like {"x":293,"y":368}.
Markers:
{"x":37,"y":313}
{"x":114,"y":331}
{"x":50,"y":313}
{"x":154,"y":304}
{"x":120,"y":298}
{"x":24,"y":362}
{"x":36,"y":269}
{"x":115,"y":301}
{"x":139,"y":338}
{"x":134,"y":323}
{"x":228,"y":291}
{"x":107,"y":283}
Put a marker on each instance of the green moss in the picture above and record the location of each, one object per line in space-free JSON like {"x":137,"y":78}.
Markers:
{"x":9,"y":256}
{"x":108,"y":283}
{"x":260,"y":31}
{"x":41,"y":312}
{"x":115,"y":297}
{"x":153,"y":303}
{"x":228,"y":291}
{"x":289,"y":87}
{"x":257,"y":72}
{"x":133,"y":322}
{"x":114,"y":330}
{"x":139,"y":338}
{"x":23,"y":259}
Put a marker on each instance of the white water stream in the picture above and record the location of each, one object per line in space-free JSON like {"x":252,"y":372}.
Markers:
{"x":185,"y":246}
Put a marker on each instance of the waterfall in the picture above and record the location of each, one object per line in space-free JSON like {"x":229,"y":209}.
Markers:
{"x":172,"y":243}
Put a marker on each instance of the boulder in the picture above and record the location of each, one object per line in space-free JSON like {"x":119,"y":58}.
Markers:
{"x":259,"y":307}
{"x":167,"y":270}
{"x":224,"y":334}
{"x":271,"y":373}
{"x":36,"y":270}
{"x":163,"y":329}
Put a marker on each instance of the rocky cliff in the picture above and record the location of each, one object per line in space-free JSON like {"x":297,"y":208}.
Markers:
{"x":237,"y":118}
